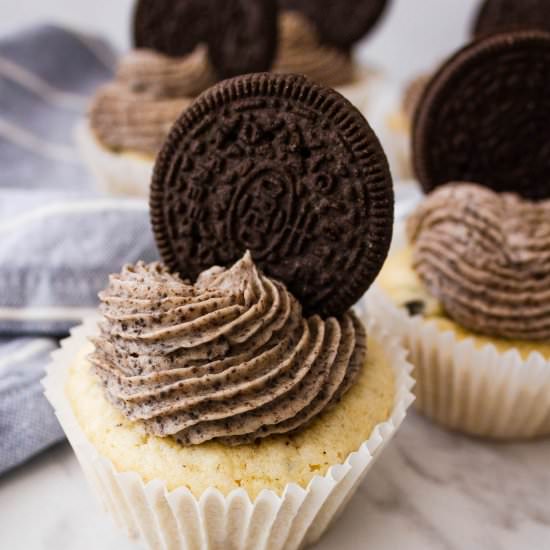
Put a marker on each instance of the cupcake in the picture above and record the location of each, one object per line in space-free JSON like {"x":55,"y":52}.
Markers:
{"x":229,"y":395}
{"x":181,"y":49}
{"x":469,"y":291}
{"x":130,"y":117}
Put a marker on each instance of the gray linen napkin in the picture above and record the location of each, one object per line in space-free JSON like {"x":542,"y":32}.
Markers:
{"x":59,"y":239}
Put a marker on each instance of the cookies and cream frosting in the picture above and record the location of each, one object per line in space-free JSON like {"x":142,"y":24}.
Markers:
{"x":301,"y":52}
{"x":486,"y":258}
{"x":229,"y":358}
{"x":150,"y":91}
{"x":160,"y":76}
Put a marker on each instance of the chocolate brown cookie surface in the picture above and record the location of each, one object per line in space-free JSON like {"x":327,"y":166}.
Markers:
{"x":496,"y":16}
{"x":484,"y":117}
{"x":171,"y":27}
{"x":284,"y":168}
{"x":243,"y":36}
{"x":340,"y":23}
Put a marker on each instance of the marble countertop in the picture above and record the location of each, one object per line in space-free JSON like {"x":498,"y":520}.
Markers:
{"x":430,"y":490}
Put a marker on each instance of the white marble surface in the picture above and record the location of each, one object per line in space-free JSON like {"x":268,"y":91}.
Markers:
{"x":430,"y":490}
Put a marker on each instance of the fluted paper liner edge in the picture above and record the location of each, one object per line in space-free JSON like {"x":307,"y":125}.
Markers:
{"x":480,"y":391}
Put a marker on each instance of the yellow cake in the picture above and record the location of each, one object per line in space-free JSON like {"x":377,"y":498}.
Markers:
{"x":270,"y":464}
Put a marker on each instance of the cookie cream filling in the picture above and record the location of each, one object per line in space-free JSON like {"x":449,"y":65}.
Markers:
{"x":229,"y":358}
{"x":301,"y":52}
{"x":486,"y":257}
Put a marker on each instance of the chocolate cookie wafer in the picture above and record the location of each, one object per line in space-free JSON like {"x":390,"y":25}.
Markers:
{"x":484,"y":117}
{"x":340,"y":23}
{"x":243,"y":36}
{"x":171,"y":27}
{"x":495,"y":16}
{"x":284,"y":168}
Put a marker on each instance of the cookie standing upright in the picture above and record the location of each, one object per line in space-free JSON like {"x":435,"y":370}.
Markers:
{"x":496,"y":16}
{"x":243,"y":36}
{"x":484,"y":117}
{"x":172,"y":28}
{"x":340,"y":23}
{"x":286,"y":169}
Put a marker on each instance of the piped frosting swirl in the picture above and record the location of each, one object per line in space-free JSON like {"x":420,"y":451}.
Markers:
{"x":300,"y":51}
{"x":229,"y":358}
{"x":136,"y":111}
{"x":486,"y":258}
{"x":160,"y":76}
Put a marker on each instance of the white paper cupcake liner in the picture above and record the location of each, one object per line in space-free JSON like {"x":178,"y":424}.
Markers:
{"x":480,"y":391}
{"x":116,"y":174}
{"x":176,"y":519}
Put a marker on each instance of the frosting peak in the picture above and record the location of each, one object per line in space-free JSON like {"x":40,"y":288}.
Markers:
{"x":301,"y":51}
{"x":486,"y":257}
{"x":229,"y":358}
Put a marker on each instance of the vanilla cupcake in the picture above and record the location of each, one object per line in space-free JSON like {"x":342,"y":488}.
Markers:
{"x":472,"y":283}
{"x":242,"y":404}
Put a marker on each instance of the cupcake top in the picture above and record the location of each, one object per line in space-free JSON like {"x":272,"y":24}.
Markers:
{"x":483,"y":248}
{"x":227,"y":352}
{"x":486,"y":257}
{"x":301,"y":51}
{"x":182,"y":48}
{"x":230,"y":357}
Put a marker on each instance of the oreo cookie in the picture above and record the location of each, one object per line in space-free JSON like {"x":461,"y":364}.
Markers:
{"x":243,"y":36}
{"x":340,"y":23}
{"x":496,"y":16}
{"x":171,"y":27}
{"x":284,"y":168}
{"x":484,"y":117}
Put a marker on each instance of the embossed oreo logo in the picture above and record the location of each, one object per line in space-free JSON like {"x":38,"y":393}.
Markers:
{"x":275,"y":176}
{"x":260,"y":210}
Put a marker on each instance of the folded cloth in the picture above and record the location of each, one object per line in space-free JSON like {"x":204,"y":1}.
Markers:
{"x":59,"y":239}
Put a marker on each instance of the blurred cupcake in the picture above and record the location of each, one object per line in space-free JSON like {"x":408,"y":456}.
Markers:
{"x":301,"y":51}
{"x":182,"y":48}
{"x":472,"y":284}
{"x":214,"y":405}
{"x":130,"y":118}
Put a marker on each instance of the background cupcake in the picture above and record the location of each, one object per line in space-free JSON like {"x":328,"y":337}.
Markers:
{"x":475,"y":277}
{"x":130,"y":117}
{"x":243,"y":409}
{"x":317,"y":39}
{"x":182,"y":48}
